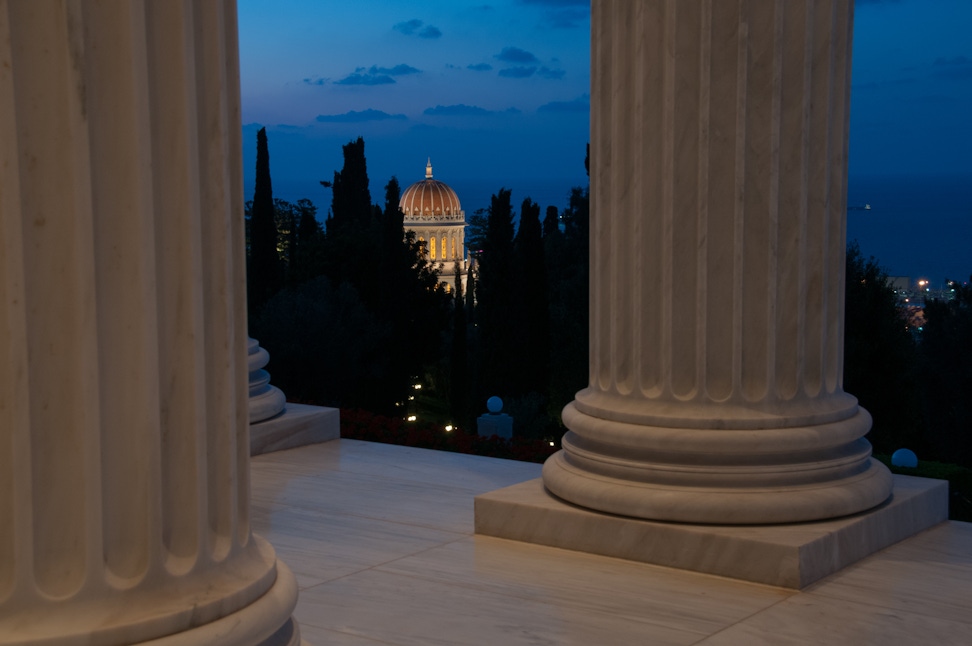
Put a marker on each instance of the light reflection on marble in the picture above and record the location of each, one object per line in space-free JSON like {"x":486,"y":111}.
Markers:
{"x":635,"y":591}
{"x":380,"y":538}
{"x":807,"y":619}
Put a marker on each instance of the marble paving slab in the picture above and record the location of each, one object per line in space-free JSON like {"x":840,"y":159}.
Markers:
{"x":792,"y":556}
{"x":381,"y":540}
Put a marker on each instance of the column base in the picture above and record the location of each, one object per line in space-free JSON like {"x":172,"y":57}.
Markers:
{"x":780,"y":472}
{"x":265,"y":622}
{"x":760,"y":505}
{"x":791,"y":556}
{"x":246,"y":600}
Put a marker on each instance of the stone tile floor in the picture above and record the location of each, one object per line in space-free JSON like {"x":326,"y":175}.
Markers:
{"x":381,"y":540}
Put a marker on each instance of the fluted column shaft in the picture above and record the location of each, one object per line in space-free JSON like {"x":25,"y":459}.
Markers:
{"x":718,"y":184}
{"x":124,"y":491}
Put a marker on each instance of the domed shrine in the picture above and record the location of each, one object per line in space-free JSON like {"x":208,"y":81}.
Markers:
{"x":433,"y":212}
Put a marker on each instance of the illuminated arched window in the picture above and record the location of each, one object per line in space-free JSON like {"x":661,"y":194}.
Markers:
{"x":454,"y":256}
{"x":432,"y":247}
{"x":422,"y":245}
{"x":443,"y":248}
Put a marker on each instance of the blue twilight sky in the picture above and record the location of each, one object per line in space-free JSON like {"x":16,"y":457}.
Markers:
{"x":496,"y":91}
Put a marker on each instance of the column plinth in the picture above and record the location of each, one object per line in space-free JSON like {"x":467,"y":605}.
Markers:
{"x":718,"y":188}
{"x":124,"y":454}
{"x":265,"y":400}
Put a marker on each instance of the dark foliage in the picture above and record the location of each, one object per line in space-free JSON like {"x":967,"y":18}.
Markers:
{"x":264,"y":272}
{"x":362,"y":315}
{"x":568,"y":288}
{"x":351,"y":202}
{"x":945,"y":349}
{"x":879,"y":356}
{"x":407,"y":294}
{"x":325,"y":346}
{"x":551,"y":222}
{"x":300,"y":240}
{"x":459,"y":358}
{"x":531,"y":311}
{"x":494,"y":294}
{"x":362,"y":425}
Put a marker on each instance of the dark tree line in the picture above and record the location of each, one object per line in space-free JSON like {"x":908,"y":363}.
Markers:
{"x":352,"y":314}
{"x":528,"y":338}
{"x":264,"y":275}
{"x":915,"y":381}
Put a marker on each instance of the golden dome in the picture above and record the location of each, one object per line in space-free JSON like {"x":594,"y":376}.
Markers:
{"x":430,"y":199}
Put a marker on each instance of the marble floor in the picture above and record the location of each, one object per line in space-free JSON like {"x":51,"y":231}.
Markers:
{"x":381,"y":540}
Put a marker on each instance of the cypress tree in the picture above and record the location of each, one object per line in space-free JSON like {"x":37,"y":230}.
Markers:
{"x":567,"y":255}
{"x":350,"y":228}
{"x":351,"y":200}
{"x":530,"y":304}
{"x":459,"y":363}
{"x":264,"y":276}
{"x":305,"y":254}
{"x":551,"y":222}
{"x":495,"y":298}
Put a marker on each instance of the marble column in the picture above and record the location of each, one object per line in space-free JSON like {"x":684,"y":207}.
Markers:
{"x":124,"y":492}
{"x":718,"y":188}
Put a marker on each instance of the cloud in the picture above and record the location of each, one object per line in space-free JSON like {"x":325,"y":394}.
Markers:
{"x":517,"y":72}
{"x":355,"y":116}
{"x":563,"y":14}
{"x":480,"y":67}
{"x":516,"y":55}
{"x":399,"y":70}
{"x":568,"y":18}
{"x":412,"y":28}
{"x":955,"y":60}
{"x":408,"y":27}
{"x":548,"y":73}
{"x":954,"y":73}
{"x":315,"y":80}
{"x":462,"y":110}
{"x":375,"y":75}
{"x":357,"y":78}
{"x":581,"y":104}
{"x":560,"y":3}
{"x":957,"y":68}
{"x":458,"y":110}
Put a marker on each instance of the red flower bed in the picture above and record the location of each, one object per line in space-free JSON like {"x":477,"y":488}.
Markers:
{"x":362,"y":425}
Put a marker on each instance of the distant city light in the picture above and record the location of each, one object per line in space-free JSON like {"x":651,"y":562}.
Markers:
{"x":411,"y":398}
{"x":552,"y":444}
{"x":417,"y":386}
{"x":448,"y":427}
{"x":411,"y":418}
